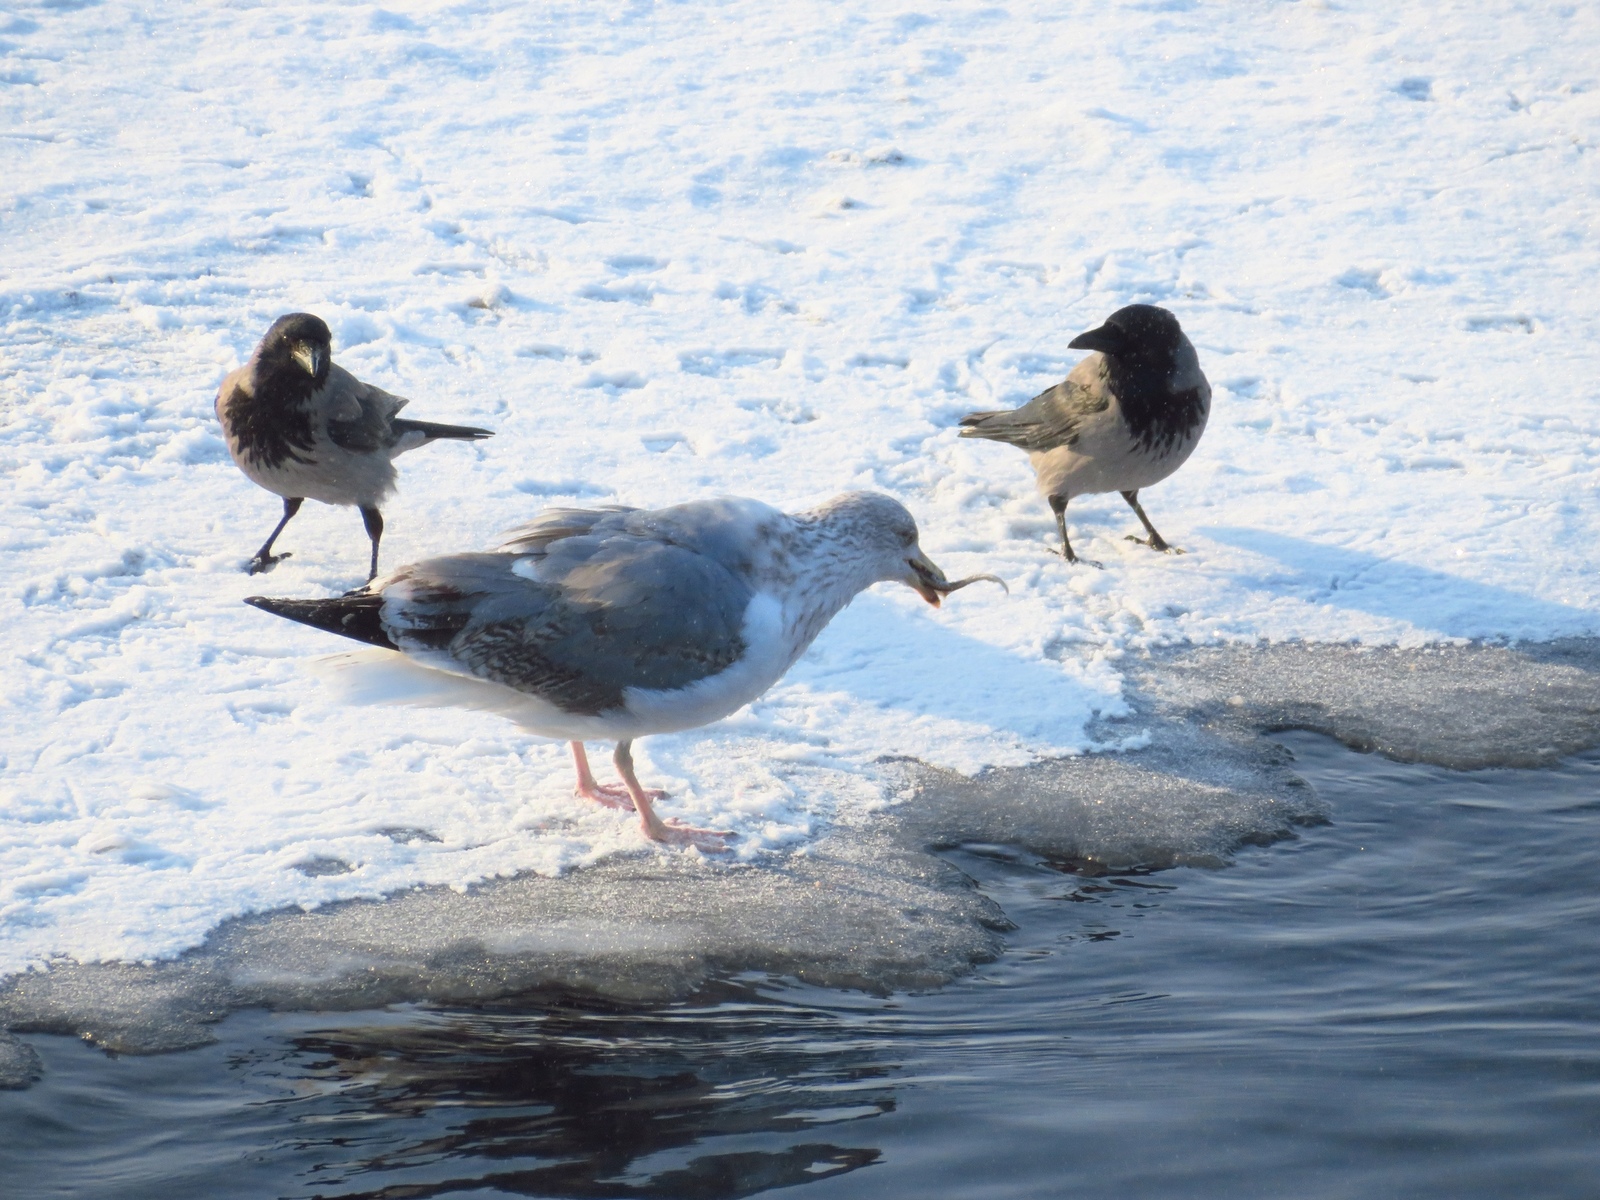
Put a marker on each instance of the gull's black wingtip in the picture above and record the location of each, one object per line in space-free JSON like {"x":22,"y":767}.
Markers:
{"x":358,"y":616}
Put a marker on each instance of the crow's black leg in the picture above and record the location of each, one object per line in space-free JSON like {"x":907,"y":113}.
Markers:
{"x":373,"y":520}
{"x":1058,"y":505}
{"x":1155,"y":541}
{"x":265,"y":560}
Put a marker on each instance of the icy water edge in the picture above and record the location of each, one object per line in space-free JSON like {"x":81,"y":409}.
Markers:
{"x":1398,"y":998}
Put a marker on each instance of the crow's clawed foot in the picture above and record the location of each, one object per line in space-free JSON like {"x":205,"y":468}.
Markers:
{"x":1154,"y":544}
{"x":263,"y":563}
{"x":1077,"y":560}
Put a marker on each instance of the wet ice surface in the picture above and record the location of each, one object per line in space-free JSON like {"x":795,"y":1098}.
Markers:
{"x":1457,"y":706}
{"x":1401,"y":1001}
{"x":866,"y":906}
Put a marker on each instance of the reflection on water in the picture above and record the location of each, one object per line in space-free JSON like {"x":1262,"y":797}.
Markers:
{"x":723,"y":1099}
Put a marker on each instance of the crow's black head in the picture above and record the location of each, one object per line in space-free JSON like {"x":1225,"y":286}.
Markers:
{"x":296,"y":343}
{"x":270,"y":419}
{"x":1153,"y":371}
{"x":1140,"y":335}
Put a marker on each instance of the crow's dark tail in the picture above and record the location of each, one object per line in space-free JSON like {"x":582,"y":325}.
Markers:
{"x":357,"y":616}
{"x":1016,"y":427}
{"x":430,"y":430}
{"x":973,"y":425}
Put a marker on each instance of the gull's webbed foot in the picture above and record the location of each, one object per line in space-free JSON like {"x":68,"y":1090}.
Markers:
{"x":613,"y":795}
{"x":674,"y":832}
{"x":670,"y":832}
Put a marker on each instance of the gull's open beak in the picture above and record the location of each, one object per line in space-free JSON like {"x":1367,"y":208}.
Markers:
{"x":309,"y":357}
{"x":928,"y":581}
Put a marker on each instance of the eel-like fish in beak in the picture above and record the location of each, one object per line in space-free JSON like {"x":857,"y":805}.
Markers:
{"x":928,"y":581}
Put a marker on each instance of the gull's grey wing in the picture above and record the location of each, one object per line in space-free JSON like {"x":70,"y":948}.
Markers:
{"x":617,"y":612}
{"x":359,"y":416}
{"x":534,"y":537}
{"x":1050,"y":419}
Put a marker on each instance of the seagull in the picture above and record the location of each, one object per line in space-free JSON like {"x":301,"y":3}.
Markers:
{"x":305,"y":428}
{"x":617,"y":623}
{"x":1124,"y":418}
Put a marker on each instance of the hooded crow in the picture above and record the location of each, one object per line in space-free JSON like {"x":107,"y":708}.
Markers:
{"x":305,"y":428}
{"x":1126,"y":417}
{"x":618,"y":623}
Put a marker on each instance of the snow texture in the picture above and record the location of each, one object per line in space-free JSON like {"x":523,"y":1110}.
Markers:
{"x":682,"y":250}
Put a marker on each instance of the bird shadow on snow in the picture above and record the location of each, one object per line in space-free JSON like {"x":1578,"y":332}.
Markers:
{"x":1386,"y":587}
{"x":912,"y":663}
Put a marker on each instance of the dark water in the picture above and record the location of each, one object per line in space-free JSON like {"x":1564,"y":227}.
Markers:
{"x":1405,"y":1002}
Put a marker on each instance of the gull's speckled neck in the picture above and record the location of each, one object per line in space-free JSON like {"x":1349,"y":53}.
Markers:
{"x":839,"y":549}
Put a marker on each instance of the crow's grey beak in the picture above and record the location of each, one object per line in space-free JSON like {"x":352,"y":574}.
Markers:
{"x":309,"y":357}
{"x":928,"y":581}
{"x":1108,"y":339}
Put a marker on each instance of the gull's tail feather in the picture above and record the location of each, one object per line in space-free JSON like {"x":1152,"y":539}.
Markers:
{"x":358,"y":616}
{"x":376,"y":677}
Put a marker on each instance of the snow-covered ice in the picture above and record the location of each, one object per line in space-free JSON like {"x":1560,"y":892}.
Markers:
{"x":678,"y":250}
{"x":862,"y":905}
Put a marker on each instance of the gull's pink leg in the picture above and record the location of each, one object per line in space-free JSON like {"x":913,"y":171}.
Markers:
{"x":657,"y":830}
{"x":588,"y":789}
{"x":609,"y":794}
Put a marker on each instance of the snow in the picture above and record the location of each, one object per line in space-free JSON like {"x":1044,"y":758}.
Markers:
{"x":678,"y":250}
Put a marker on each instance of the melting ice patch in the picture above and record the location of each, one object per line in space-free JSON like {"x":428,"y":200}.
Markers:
{"x":862,"y":904}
